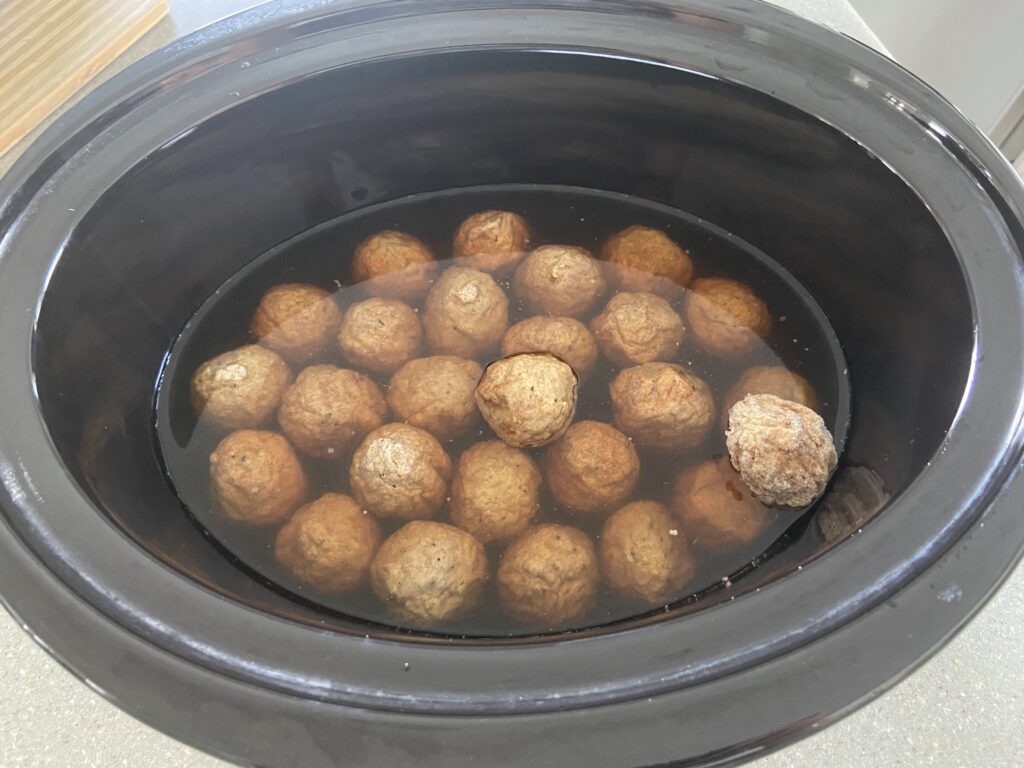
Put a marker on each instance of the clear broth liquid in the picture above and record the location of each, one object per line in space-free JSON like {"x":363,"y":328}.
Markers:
{"x":801,"y":339}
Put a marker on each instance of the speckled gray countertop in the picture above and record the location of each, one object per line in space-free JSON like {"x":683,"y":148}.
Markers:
{"x":965,"y":707}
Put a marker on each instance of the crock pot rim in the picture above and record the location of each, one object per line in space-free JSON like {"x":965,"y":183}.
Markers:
{"x":17,"y":476}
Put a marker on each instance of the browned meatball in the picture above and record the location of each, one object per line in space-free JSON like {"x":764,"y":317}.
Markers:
{"x":643,"y":554}
{"x":645,"y":259}
{"x":295,"y":320}
{"x":380,"y":335}
{"x":241,"y":388}
{"x":491,"y":241}
{"x":725,"y":317}
{"x":715,"y":509}
{"x":256,"y":478}
{"x":559,"y":280}
{"x":782,"y":450}
{"x":638,"y":328}
{"x":436,"y":394}
{"x":428,"y":572}
{"x":400,"y":471}
{"x":662,"y":406}
{"x":466,"y":313}
{"x":394,"y":264}
{"x":528,"y":399}
{"x":549,"y":574}
{"x":328,"y":410}
{"x":565,"y":337}
{"x":769,"y":380}
{"x":329,"y":543}
{"x":495,"y":490}
{"x":592,"y":468}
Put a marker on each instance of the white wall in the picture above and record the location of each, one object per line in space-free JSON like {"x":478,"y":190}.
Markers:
{"x":971,"y":51}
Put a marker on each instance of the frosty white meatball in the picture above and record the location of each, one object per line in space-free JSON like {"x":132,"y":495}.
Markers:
{"x":782,"y":450}
{"x":528,"y":399}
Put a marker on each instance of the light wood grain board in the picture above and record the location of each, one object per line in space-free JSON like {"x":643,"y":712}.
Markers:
{"x":50,"y":48}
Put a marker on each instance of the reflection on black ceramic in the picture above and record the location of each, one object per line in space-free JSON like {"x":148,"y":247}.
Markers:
{"x":801,"y":339}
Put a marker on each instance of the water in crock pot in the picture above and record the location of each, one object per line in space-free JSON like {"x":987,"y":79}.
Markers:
{"x":800,"y":339}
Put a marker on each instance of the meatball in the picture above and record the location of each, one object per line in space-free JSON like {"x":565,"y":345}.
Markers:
{"x":662,"y":406}
{"x":240,"y":389}
{"x":428,"y":572}
{"x":466,"y":313}
{"x":592,"y":468}
{"x":491,"y":241}
{"x":565,"y":337}
{"x":329,"y":543}
{"x":769,"y":380}
{"x":395,"y":265}
{"x":643,"y":555}
{"x":645,"y":259}
{"x":256,"y":477}
{"x":528,"y":399}
{"x":782,"y":450}
{"x":495,"y":490}
{"x":295,"y":320}
{"x":725,"y":317}
{"x":549,"y":574}
{"x":328,"y":410}
{"x":559,"y":280}
{"x":714,"y":508}
{"x":637,"y":328}
{"x":380,"y":335}
{"x":400,"y":471}
{"x":436,"y":394}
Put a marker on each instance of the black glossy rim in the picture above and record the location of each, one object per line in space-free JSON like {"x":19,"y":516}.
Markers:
{"x":805,"y":621}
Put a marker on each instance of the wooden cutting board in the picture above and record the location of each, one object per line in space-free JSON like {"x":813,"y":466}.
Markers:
{"x":51,"y":48}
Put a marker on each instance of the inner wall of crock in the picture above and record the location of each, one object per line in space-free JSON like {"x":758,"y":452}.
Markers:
{"x":187,"y":217}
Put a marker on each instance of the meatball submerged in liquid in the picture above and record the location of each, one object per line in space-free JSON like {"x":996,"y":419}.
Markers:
{"x":296,"y":320}
{"x":427,"y":572}
{"x":240,"y":389}
{"x":256,"y":478}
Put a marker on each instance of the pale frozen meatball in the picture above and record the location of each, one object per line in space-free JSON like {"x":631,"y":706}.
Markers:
{"x":400,"y":471}
{"x":645,"y":259}
{"x":295,"y":320}
{"x":528,"y":399}
{"x":782,"y":450}
{"x":329,"y":543}
{"x":769,"y":380}
{"x":328,"y":410}
{"x":725,"y":317}
{"x":240,"y":389}
{"x":495,"y":491}
{"x":564,"y":337}
{"x":491,"y":241}
{"x":643,"y":554}
{"x":549,"y":575}
{"x":395,"y":265}
{"x":592,"y":468}
{"x":662,"y":406}
{"x":256,"y":478}
{"x":715,"y":509}
{"x":559,"y":280}
{"x":380,"y":335}
{"x":427,"y":572}
{"x":436,"y":394}
{"x":466,"y":313}
{"x":637,"y":328}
